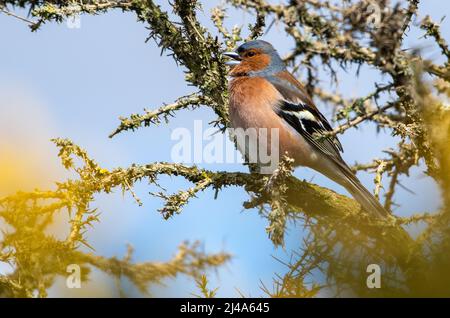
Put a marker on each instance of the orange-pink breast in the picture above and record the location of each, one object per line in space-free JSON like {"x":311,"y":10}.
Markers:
{"x":252,"y":103}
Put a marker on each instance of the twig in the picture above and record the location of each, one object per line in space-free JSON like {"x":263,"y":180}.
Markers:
{"x":31,"y":23}
{"x":357,"y":120}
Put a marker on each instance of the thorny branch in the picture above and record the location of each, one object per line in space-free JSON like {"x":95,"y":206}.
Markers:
{"x":340,"y":240}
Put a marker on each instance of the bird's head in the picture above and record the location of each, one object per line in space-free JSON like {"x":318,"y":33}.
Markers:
{"x":255,"y":58}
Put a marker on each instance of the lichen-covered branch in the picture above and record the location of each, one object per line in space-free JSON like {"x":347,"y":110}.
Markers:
{"x":161,"y":114}
{"x":340,"y":239}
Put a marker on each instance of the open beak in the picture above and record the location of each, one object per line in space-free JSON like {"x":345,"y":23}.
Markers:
{"x":236,"y":59}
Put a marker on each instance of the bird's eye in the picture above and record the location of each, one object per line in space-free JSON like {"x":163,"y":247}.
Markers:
{"x":250,"y":54}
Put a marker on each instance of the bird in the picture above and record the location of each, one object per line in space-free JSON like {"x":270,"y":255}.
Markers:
{"x":263,"y":94}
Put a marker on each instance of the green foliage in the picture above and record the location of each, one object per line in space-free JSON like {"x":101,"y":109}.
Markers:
{"x":38,"y":257}
{"x":202,"y":285}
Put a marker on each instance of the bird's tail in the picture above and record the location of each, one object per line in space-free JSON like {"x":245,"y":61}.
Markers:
{"x":366,"y":199}
{"x":349,"y":180}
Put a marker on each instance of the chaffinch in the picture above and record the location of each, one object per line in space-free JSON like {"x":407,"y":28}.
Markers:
{"x":263,"y":94}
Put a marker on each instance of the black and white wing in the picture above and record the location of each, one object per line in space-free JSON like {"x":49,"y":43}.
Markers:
{"x":310,"y":124}
{"x":298,"y":110}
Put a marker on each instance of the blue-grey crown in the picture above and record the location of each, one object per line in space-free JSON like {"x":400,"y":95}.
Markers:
{"x":276,"y":64}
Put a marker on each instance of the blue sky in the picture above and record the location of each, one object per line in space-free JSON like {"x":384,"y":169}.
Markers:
{"x":75,"y":83}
